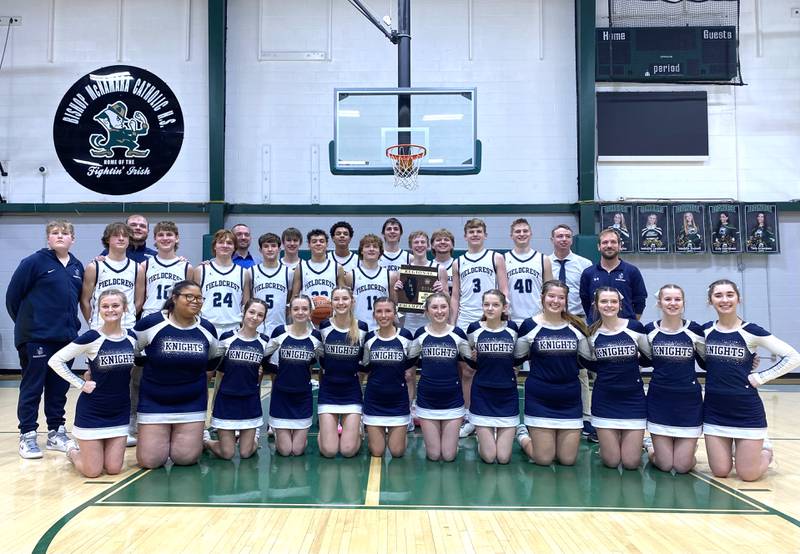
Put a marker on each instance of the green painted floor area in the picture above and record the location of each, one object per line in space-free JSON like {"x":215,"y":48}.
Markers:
{"x":268,"y":480}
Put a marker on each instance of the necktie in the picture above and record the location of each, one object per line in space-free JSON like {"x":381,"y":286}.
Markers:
{"x":562,"y":271}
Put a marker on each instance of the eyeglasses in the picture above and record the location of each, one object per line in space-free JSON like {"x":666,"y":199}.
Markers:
{"x":192,"y":297}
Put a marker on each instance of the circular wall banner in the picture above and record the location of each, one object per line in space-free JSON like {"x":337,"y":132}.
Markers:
{"x":118,"y":130}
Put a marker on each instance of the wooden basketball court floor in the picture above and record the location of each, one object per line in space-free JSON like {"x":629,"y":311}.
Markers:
{"x":313,"y":505}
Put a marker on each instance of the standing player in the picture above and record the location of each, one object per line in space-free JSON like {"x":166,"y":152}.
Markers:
{"x":242,"y":255}
{"x":225,"y":285}
{"x":568,"y":268}
{"x":272,"y":282}
{"x":443,"y":243}
{"x":154,"y":281}
{"x":419,"y":244}
{"x":319,"y":275}
{"x":341,"y":235}
{"x":527,"y":269}
{"x":292,"y":240}
{"x":116,"y":271}
{"x":369,"y":280}
{"x":42,"y":300}
{"x":393,"y":256}
{"x":474,"y":272}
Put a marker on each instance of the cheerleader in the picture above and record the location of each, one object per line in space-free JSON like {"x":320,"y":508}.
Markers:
{"x":440,"y":401}
{"x":290,"y":409}
{"x":340,"y":388}
{"x":619,"y":409}
{"x":674,"y":397}
{"x":237,"y":405}
{"x":551,"y":341}
{"x":103,"y":410}
{"x":386,"y":409}
{"x":495,"y":407}
{"x":733,"y":413}
{"x":173,"y":397}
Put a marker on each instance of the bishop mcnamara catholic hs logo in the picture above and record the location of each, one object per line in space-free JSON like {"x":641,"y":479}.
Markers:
{"x":118,"y":130}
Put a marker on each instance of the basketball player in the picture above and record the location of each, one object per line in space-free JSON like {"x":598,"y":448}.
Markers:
{"x":225,"y":285}
{"x":319,"y":275}
{"x":443,"y":243}
{"x":418,"y":242}
{"x":271,"y":282}
{"x":116,"y":271}
{"x":154,"y":282}
{"x":393,"y":256}
{"x":568,"y":269}
{"x":369,"y":280}
{"x":292,"y":239}
{"x":341,"y":235}
{"x":527,"y":269}
{"x":474,"y":272}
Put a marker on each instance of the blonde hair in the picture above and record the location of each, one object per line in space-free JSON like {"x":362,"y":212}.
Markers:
{"x":352,"y":329}
{"x":60,"y":224}
{"x":573,"y":320}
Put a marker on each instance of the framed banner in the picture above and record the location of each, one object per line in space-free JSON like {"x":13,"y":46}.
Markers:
{"x":652,"y":223}
{"x":418,"y":283}
{"x":761,"y":228}
{"x":725,"y":227}
{"x":619,"y":217}
{"x":689,"y":228}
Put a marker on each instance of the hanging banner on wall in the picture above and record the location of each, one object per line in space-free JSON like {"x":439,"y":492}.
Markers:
{"x":761,"y":228}
{"x":652,"y":223}
{"x":618,"y":217}
{"x":725,"y":228}
{"x":118,"y":130}
{"x":689,"y":228}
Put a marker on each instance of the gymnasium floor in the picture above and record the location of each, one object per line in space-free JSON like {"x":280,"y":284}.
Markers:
{"x":371,"y":505}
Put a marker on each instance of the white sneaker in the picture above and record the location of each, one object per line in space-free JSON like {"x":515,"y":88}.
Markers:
{"x":466,"y":430}
{"x":131,"y":440}
{"x":71,"y":446}
{"x":206,"y":436}
{"x":257,"y":438}
{"x":314,"y":384}
{"x":647,"y":444}
{"x":522,"y":433}
{"x":410,"y":428}
{"x":768,"y":447}
{"x":57,"y":440}
{"x":29,"y":446}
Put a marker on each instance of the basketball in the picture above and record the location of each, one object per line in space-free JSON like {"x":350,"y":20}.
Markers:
{"x":322,"y":309}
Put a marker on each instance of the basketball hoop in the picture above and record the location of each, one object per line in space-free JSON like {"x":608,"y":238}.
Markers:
{"x":405,"y":163}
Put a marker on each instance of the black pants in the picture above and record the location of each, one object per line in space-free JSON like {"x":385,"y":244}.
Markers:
{"x":37,"y":377}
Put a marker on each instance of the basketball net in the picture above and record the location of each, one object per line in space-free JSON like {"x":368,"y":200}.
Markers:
{"x":405,"y":163}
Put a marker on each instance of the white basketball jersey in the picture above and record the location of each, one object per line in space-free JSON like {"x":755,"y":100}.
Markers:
{"x":318,"y":278}
{"x":368,"y":286}
{"x":349,"y":263}
{"x":272,"y":285}
{"x":115,"y":275}
{"x":159,"y":277}
{"x":449,"y":267}
{"x":477,"y":274}
{"x":393,"y":260}
{"x":223,"y":291}
{"x":524,"y":284}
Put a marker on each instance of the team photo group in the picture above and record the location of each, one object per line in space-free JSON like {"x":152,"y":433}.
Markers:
{"x":171,"y":337}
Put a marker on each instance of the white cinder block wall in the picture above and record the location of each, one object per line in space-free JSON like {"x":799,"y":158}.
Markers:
{"x":526,"y":120}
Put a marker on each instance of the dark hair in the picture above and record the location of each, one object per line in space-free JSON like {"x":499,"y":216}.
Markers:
{"x":394,"y":221}
{"x":561,"y":226}
{"x":271,"y":238}
{"x":169,"y":304}
{"x":292,"y":233}
{"x":240,"y":225}
{"x":383,"y":300}
{"x":719,"y":282}
{"x":573,"y":320}
{"x":607,"y":231}
{"x":255,"y":301}
{"x":503,"y":300}
{"x":520,"y":221}
{"x":114,"y":229}
{"x":302,"y":297}
{"x":316,"y":233}
{"x":599,"y":321}
{"x":343,"y":224}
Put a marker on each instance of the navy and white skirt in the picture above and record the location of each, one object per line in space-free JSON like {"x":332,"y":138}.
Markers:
{"x":493,"y":407}
{"x":737,"y":416}
{"x":175,"y":403}
{"x":675,"y":412}
{"x":553,"y":405}
{"x":337,"y":397}
{"x":614,"y":408}
{"x":95,"y":420}
{"x":440,"y":402}
{"x":234,"y":412}
{"x":290,"y":409}
{"x":386,"y":408}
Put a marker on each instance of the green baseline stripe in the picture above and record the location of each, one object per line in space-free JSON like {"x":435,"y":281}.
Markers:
{"x":44,"y":542}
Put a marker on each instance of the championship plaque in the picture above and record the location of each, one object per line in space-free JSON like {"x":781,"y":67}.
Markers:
{"x":418,"y":283}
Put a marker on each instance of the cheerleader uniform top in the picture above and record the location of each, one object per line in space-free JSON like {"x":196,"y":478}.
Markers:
{"x":615,"y":356}
{"x":240,"y":365}
{"x":494,"y":350}
{"x":552,"y":350}
{"x":673,"y":355}
{"x":340,"y":360}
{"x":296,"y":355}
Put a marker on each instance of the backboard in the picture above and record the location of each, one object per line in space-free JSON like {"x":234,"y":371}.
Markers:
{"x":368,"y":121}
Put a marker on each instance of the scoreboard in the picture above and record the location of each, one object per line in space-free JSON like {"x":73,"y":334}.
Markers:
{"x":653,"y":54}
